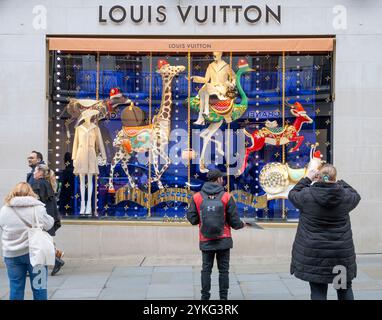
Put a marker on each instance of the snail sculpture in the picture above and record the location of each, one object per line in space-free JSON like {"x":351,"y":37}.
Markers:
{"x":277,"y":178}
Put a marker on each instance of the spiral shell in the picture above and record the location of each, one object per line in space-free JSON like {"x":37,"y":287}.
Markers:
{"x":274,"y":178}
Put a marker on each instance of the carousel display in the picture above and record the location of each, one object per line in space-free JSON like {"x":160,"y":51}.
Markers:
{"x":122,"y":118}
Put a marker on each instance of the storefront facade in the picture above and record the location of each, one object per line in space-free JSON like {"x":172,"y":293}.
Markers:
{"x":302,"y":66}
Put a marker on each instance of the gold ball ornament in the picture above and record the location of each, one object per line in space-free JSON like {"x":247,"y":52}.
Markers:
{"x":274,"y":178}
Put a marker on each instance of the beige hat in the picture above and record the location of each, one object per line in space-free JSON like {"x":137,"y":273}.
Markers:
{"x":88,"y":114}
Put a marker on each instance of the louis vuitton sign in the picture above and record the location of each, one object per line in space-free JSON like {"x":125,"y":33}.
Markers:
{"x":213,"y":14}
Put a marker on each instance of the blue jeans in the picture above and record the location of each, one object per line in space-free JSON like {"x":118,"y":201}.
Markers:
{"x":17,"y":269}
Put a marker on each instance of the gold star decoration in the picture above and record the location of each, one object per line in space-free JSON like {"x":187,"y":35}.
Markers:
{"x":87,"y":77}
{"x":126,"y":207}
{"x":107,"y":142}
{"x":67,"y":141}
{"x":127,"y":78}
{"x":196,"y":176}
{"x":318,"y":88}
{"x":317,"y":132}
{"x":68,"y":77}
{"x":116,"y":175}
{"x":318,"y":111}
{"x":67,"y":207}
{"x":106,"y":207}
{"x":276,"y":154}
{"x":327,"y":143}
{"x":327,"y":78}
{"x":67,"y":185}
{"x":76,"y":196}
{"x":327,"y":122}
{"x":246,"y":187}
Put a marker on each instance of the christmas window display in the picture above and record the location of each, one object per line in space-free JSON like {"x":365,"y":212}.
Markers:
{"x":163,"y":128}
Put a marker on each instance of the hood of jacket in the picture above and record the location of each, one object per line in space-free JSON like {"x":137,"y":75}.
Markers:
{"x":25,"y":202}
{"x":212,"y":188}
{"x":327,"y":195}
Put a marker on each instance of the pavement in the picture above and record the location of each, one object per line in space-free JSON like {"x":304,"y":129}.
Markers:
{"x":172,"y":278}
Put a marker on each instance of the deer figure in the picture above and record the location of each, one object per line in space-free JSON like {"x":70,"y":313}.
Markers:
{"x":277,"y":136}
{"x":153,"y":137}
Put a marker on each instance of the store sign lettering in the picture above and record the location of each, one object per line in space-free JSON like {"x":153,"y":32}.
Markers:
{"x":251,"y":14}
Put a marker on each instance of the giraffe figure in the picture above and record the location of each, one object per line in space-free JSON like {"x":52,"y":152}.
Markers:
{"x":153,"y":138}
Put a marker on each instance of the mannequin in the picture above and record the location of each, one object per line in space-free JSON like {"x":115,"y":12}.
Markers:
{"x":218,"y":78}
{"x":87,"y":144}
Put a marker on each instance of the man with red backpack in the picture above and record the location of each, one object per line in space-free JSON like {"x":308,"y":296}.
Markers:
{"x":214,"y":210}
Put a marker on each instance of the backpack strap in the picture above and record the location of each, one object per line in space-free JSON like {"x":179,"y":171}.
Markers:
{"x":198,"y":199}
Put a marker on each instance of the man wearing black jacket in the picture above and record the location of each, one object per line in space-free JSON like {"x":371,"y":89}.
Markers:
{"x":221,"y":244}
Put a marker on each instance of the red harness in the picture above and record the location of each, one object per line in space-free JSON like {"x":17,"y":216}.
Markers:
{"x":198,"y":198}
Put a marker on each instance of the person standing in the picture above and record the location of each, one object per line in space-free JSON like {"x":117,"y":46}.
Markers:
{"x":34,"y":159}
{"x":16,"y":216}
{"x":324,"y":239}
{"x":215,"y":211}
{"x":43,"y":188}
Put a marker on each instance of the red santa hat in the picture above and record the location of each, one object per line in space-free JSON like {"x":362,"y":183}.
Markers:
{"x":317,"y":154}
{"x":242,"y":63}
{"x":299,"y":107}
{"x":161,"y":63}
{"x":115,"y":93}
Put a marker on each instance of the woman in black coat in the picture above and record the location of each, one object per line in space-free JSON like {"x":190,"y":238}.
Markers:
{"x":43,"y":188}
{"x":324,"y":240}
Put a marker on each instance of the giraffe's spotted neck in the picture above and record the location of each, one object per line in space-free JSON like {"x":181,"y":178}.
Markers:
{"x":166,"y":102}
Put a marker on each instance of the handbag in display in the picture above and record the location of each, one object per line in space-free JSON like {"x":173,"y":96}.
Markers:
{"x":41,"y":245}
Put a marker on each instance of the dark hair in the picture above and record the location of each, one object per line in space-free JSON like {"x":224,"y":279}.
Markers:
{"x":67,"y":157}
{"x":38,"y":155}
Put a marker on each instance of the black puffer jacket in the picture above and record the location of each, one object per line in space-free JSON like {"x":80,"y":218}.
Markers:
{"x":46,"y":195}
{"x":324,"y":238}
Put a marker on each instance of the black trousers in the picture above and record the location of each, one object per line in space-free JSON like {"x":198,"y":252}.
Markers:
{"x":319,"y":291}
{"x":222,"y":258}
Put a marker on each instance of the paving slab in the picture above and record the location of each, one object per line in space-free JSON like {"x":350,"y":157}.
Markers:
{"x":170,"y":291}
{"x":64,"y":294}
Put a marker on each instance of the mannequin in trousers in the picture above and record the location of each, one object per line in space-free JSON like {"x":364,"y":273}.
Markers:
{"x":87,"y":142}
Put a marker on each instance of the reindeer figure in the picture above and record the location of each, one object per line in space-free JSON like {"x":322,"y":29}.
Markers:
{"x":277,"y":136}
{"x":75,"y":107}
{"x":153,"y":138}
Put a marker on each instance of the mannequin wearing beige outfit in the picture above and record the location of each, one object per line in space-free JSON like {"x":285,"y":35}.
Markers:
{"x":87,"y":144}
{"x":219,"y":77}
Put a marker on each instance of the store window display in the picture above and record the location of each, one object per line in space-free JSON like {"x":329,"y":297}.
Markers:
{"x":279,"y":104}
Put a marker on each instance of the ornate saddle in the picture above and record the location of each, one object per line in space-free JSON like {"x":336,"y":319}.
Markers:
{"x":134,"y":131}
{"x":221,"y":107}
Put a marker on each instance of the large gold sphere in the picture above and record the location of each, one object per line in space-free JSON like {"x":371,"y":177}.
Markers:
{"x":274,"y":178}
